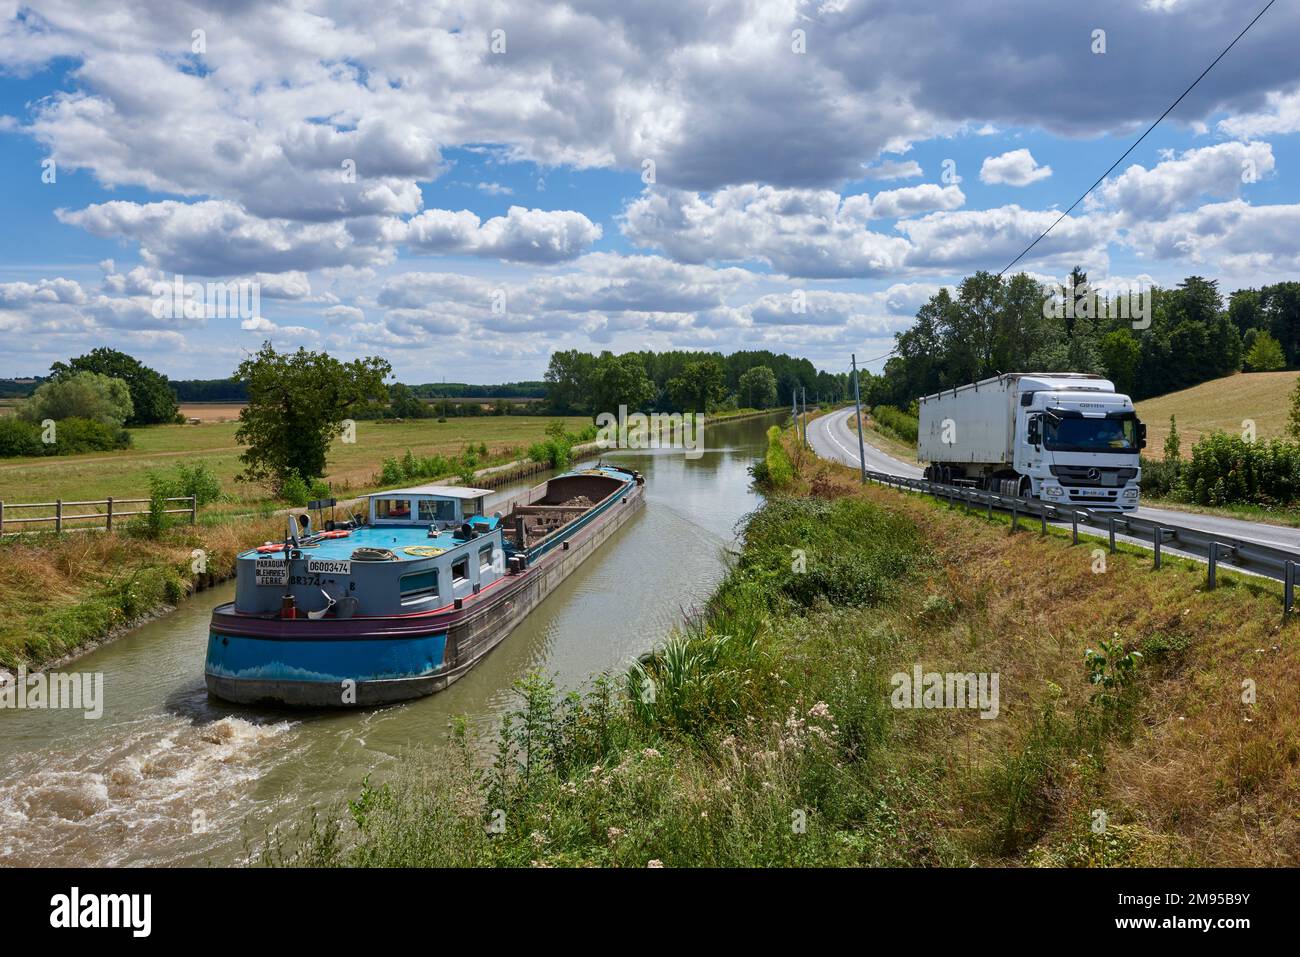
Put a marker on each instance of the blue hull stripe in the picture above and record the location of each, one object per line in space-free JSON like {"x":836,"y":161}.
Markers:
{"x":370,"y":659}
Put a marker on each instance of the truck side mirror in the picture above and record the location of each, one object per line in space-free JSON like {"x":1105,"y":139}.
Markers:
{"x":1142,"y":435}
{"x":1034,"y":436}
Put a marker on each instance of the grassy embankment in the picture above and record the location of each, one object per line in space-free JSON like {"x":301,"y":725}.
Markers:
{"x":769,"y":738}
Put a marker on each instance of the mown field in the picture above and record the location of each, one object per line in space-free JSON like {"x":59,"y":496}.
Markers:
{"x":125,"y":474}
{"x":773,"y":735}
{"x":1220,"y":404}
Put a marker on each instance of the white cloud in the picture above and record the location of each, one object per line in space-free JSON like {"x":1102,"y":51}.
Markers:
{"x":1280,"y":115}
{"x":1216,"y":171}
{"x":1014,"y":168}
{"x":894,"y":169}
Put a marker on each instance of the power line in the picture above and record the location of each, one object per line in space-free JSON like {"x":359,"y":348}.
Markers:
{"x":1123,"y":156}
{"x":1139,"y":139}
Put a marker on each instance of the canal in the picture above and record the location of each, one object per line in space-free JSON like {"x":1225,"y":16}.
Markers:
{"x":168,"y":776}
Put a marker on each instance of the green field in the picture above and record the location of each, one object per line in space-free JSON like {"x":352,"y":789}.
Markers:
{"x":352,"y":467}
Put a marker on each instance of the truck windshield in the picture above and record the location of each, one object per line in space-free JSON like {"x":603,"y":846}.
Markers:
{"x":1090,"y":435}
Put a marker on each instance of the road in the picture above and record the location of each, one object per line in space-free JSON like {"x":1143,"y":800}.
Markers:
{"x":832,"y":438}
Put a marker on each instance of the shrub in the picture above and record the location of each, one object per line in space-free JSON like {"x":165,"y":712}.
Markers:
{"x":84,"y":435}
{"x":1227,"y":469}
{"x":294,"y":490}
{"x":197,"y":480}
{"x":19,"y":438}
{"x":896,"y":422}
{"x":154,"y":522}
{"x":72,"y":436}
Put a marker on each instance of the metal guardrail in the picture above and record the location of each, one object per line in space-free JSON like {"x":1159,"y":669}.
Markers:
{"x":114,"y":511}
{"x":1269,"y":561}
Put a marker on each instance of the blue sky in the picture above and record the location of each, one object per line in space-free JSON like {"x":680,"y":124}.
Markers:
{"x":501,"y":206}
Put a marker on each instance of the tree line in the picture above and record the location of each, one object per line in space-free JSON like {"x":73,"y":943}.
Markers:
{"x":1177,"y":338}
{"x":581,"y":383}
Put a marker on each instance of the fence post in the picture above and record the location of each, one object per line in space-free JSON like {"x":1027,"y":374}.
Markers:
{"x":1042,"y":520}
{"x":1015,"y":516}
{"x":58,"y":515}
{"x":1214,"y":562}
{"x":2,"y":517}
{"x":1110,"y":520}
{"x":109,"y":523}
{"x":194,"y":509}
{"x":1159,"y":537}
{"x":1074,"y":527}
{"x":1288,"y":588}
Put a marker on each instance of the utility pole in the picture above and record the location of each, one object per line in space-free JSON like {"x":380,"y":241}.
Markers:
{"x":794,"y":409}
{"x":857,"y":401}
{"x":805,"y":415}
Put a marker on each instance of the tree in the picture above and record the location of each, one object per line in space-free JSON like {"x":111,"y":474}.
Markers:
{"x":404,"y":404}
{"x":152,"y":401}
{"x":700,"y":387}
{"x":619,"y":380}
{"x":569,"y":379}
{"x":1265,"y":354}
{"x":296,"y":407}
{"x":1173,"y":444}
{"x":82,"y":395}
{"x":757,"y":388}
{"x":1121,"y":353}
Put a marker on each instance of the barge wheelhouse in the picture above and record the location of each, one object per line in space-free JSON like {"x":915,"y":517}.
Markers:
{"x":403,"y":601}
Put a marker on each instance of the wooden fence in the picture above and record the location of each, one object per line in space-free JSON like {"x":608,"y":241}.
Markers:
{"x":112,"y":511}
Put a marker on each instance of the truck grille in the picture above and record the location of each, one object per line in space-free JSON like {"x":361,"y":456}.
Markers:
{"x":1076,"y":475}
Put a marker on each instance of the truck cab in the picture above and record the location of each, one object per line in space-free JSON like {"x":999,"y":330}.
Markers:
{"x":1063,"y":437}
{"x":1078,"y":445}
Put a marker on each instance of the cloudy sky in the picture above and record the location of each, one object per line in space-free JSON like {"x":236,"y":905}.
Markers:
{"x":466,"y":187}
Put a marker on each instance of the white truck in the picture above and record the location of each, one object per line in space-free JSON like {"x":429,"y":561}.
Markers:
{"x":1064,"y":437}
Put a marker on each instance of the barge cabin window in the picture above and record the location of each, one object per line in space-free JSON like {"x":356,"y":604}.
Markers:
{"x":437,"y":510}
{"x":485,"y":558}
{"x":393,"y":509}
{"x":460,"y":570}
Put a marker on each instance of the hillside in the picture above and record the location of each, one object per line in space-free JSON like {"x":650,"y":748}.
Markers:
{"x":1220,"y":404}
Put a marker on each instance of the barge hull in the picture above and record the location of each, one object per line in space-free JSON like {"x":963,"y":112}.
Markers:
{"x":466,"y":636}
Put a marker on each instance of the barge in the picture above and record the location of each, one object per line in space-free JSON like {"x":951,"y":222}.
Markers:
{"x":402,"y":601}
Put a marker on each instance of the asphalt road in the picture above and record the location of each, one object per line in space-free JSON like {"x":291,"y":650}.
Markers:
{"x":832,"y":438}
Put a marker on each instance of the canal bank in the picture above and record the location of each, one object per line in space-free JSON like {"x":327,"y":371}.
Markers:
{"x":124,"y":789}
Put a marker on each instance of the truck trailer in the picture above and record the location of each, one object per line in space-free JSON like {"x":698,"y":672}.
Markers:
{"x":1062,"y":437}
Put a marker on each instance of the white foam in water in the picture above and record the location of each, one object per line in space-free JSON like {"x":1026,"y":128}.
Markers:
{"x":135,"y":794}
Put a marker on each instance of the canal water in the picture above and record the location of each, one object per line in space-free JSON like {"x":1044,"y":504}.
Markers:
{"x":168,"y":776}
